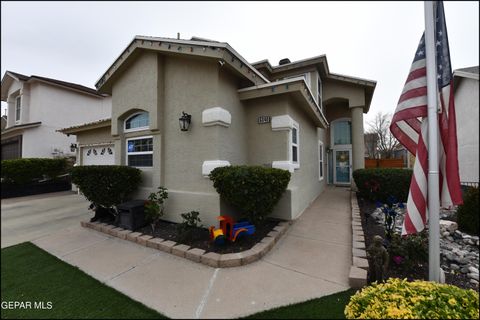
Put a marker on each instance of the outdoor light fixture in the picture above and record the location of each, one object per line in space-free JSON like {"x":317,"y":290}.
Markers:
{"x":184,"y":121}
{"x":73,"y":147}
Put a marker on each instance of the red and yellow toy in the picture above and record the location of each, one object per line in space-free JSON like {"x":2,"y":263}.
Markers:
{"x":229,"y":230}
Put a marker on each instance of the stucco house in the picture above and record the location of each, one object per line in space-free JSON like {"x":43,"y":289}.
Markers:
{"x":466,"y":110}
{"x":37,"y":107}
{"x":296,"y":116}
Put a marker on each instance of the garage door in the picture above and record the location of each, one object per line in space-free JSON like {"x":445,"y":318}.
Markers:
{"x":98,"y":155}
{"x":12,"y":148}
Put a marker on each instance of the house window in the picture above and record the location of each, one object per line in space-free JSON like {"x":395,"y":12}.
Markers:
{"x":18,"y":108}
{"x":342,"y":132}
{"x":140,"y":152}
{"x":320,"y":160}
{"x":136,"y":122}
{"x":294,"y":145}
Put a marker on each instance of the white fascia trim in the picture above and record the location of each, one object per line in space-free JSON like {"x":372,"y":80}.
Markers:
{"x":272,"y":84}
{"x":209,"y":165}
{"x":216,"y":116}
{"x":285,"y":165}
{"x":283,"y":122}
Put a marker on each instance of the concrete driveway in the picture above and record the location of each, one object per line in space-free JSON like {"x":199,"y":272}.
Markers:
{"x":311,"y":260}
{"x":33,"y":217}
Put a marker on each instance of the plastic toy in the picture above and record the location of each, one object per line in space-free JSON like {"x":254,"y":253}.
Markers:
{"x":229,"y":230}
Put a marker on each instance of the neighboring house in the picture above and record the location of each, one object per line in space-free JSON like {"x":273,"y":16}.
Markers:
{"x":37,"y":107}
{"x":296,"y":116}
{"x":466,"y":110}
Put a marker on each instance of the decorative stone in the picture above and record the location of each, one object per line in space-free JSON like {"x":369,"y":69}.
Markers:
{"x":133,"y":236}
{"x":454,"y":266}
{"x":464,"y":270}
{"x":473,"y":276}
{"x":123,"y":234}
{"x":166,"y":246}
{"x":357,"y":278}
{"x":180,"y":250}
{"x":154,"y":242}
{"x":249,"y":256}
{"x":194,"y":254}
{"x":269,"y":241}
{"x":211,"y":259}
{"x":143,"y":239}
{"x":230,"y":260}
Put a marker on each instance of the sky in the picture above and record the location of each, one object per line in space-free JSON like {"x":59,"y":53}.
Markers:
{"x":78,"y":41}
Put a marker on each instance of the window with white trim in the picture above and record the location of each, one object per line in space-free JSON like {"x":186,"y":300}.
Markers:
{"x":136,"y":122}
{"x":18,"y":108}
{"x":294,"y":145}
{"x":320,"y":160}
{"x":140,"y":152}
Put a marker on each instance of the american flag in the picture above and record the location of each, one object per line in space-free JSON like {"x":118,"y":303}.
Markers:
{"x":410,"y":127}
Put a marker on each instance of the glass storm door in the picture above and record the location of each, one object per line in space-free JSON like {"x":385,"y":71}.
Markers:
{"x":343,"y":166}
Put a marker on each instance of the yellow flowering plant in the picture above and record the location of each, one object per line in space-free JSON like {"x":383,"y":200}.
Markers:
{"x":401,"y":299}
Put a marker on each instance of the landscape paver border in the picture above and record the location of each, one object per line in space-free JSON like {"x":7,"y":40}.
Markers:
{"x":211,"y":259}
{"x":357,"y":277}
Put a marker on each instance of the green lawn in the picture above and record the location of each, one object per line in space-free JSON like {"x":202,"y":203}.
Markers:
{"x":30,"y":274}
{"x":328,"y":307}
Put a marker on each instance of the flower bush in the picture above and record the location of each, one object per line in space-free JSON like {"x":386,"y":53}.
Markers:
{"x":401,"y":299}
{"x":412,"y":249}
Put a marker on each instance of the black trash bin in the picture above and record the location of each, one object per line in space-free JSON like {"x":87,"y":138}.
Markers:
{"x":131,"y":215}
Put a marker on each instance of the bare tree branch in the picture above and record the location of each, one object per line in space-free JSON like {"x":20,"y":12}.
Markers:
{"x":381,"y":143}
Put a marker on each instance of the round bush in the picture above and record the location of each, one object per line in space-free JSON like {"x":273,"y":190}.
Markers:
{"x":380,"y":183}
{"x":401,"y":299}
{"x":254,"y":190}
{"x":106,"y":186}
{"x":467,"y":213}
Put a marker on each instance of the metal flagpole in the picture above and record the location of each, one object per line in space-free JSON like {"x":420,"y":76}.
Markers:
{"x":433,"y":165}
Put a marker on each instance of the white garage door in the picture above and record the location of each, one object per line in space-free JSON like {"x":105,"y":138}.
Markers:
{"x":98,"y":155}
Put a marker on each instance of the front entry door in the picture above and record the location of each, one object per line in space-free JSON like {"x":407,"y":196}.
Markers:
{"x":343,"y":166}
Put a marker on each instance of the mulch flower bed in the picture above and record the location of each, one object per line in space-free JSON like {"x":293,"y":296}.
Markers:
{"x":200,"y":236}
{"x":418,"y":272}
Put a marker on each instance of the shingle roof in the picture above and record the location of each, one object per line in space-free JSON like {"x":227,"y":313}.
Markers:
{"x":469,"y":69}
{"x":71,"y":85}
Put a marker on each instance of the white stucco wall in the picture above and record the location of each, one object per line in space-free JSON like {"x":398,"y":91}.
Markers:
{"x":56,"y":108}
{"x":466,"y":107}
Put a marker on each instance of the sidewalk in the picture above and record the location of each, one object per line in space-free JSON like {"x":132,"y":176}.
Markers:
{"x":311,"y":260}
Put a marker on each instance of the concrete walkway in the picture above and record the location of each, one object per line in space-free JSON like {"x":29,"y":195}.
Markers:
{"x":311,"y":260}
{"x":32,"y":217}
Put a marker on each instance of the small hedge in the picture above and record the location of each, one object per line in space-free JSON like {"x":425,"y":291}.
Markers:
{"x":400,"y":299}
{"x":467,"y":213}
{"x":106,"y":186}
{"x":379,"y":184}
{"x":27,"y":170}
{"x":254,"y":190}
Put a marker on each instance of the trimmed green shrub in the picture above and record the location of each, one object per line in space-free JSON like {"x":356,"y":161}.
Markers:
{"x":254,"y":190}
{"x":401,"y":299}
{"x":467,"y":213}
{"x":155,"y":205}
{"x":106,"y":186}
{"x":378,"y":184}
{"x":27,"y":170}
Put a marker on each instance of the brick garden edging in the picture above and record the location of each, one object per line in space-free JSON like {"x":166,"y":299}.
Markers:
{"x":358,"y":270}
{"x":211,"y":259}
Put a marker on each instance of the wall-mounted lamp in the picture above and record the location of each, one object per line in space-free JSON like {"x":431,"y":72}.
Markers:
{"x":73,"y":147}
{"x":184,"y":121}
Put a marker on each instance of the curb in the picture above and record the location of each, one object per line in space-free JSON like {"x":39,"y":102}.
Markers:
{"x":211,"y":259}
{"x":357,"y":277}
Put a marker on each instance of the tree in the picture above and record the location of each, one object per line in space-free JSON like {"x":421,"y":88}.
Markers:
{"x":385,"y":142}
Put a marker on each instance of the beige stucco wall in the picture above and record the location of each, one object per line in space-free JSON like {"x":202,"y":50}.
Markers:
{"x":304,"y":184}
{"x":99,"y":135}
{"x":466,"y":110}
{"x":337,"y":89}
